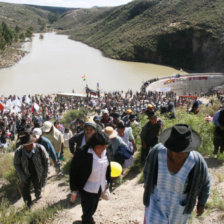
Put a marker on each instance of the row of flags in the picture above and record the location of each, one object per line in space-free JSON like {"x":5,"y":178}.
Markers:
{"x":14,"y":106}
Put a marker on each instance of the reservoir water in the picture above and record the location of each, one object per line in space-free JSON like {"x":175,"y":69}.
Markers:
{"x":56,"y":64}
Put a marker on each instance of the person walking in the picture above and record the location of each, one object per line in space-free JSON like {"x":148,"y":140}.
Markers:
{"x":55,"y":137}
{"x":31,"y":162}
{"x":37,"y":133}
{"x":150,"y":134}
{"x":80,"y":139}
{"x":175,"y":177}
{"x":90,"y":174}
{"x":218,"y":142}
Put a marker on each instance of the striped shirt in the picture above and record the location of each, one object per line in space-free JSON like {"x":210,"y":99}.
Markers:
{"x":167,"y":202}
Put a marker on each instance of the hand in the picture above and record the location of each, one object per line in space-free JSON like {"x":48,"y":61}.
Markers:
{"x":73,"y":197}
{"x":61,"y":155}
{"x":23,"y":183}
{"x":200,"y":210}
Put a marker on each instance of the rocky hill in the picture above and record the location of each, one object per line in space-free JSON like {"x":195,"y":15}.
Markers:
{"x":179,"y":33}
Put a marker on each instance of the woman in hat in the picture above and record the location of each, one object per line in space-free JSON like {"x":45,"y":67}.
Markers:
{"x":90,"y":173}
{"x":175,"y":177}
{"x":118,"y":150}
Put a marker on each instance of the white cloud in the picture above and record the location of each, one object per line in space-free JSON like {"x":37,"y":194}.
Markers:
{"x":71,"y":3}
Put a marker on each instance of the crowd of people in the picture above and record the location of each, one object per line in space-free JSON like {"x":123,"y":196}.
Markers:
{"x":34,"y":123}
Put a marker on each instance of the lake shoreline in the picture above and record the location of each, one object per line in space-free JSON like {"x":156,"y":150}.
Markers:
{"x":12,"y":55}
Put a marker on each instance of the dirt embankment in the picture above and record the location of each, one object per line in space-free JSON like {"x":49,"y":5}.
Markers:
{"x":11,"y":55}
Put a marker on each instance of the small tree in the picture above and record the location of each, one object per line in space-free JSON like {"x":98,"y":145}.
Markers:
{"x":52,"y":17}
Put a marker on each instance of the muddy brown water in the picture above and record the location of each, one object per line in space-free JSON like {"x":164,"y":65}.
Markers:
{"x":56,"y":64}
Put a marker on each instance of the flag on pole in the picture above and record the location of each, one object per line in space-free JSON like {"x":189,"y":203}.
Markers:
{"x":2,"y":106}
{"x":97,"y":85}
{"x":35,"y":108}
{"x":84,"y":78}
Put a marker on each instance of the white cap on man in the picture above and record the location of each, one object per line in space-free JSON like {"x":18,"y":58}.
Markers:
{"x":37,"y":133}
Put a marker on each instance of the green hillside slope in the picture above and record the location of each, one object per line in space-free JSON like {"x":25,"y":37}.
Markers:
{"x":22,"y":16}
{"x":180,"y":33}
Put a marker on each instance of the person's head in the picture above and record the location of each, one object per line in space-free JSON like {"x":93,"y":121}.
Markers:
{"x":150,"y":107}
{"x":27,"y":139}
{"x":105,"y":114}
{"x":97,"y":119}
{"x":128,"y":111}
{"x":37,"y":133}
{"x":98,"y":142}
{"x":180,"y":139}
{"x":152,"y":117}
{"x":89,"y":129}
{"x":111,"y":133}
{"x":121,"y":128}
{"x":47,"y":127}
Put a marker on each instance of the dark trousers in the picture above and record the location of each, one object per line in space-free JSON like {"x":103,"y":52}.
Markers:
{"x":89,"y":202}
{"x":218,"y":141}
{"x":145,"y":151}
{"x":26,"y":188}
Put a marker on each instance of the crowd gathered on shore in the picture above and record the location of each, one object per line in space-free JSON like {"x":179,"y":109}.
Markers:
{"x":34,"y":122}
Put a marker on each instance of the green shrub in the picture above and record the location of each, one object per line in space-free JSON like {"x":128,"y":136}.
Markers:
{"x":217,"y":201}
{"x":8,"y":214}
{"x":6,"y":164}
{"x":72,"y":115}
{"x":43,"y":215}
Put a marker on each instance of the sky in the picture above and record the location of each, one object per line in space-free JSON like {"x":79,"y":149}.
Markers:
{"x":71,"y":3}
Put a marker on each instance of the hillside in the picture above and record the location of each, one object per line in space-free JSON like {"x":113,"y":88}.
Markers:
{"x":179,"y":33}
{"x":22,"y":16}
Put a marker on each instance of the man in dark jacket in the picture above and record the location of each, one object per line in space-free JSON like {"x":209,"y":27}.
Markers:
{"x":31,"y":162}
{"x":80,"y":139}
{"x":219,"y":131}
{"x":150,"y":133}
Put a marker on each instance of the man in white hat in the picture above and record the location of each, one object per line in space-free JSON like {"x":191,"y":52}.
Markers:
{"x":31,"y":162}
{"x":37,"y":133}
{"x":55,"y":136}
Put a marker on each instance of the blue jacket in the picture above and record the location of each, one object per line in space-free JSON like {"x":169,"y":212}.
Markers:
{"x":49,"y":147}
{"x":198,"y":185}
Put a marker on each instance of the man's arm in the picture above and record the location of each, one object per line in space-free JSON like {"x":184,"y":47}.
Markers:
{"x":215,"y":119}
{"x":72,"y":142}
{"x":18,"y":166}
{"x":204,"y":192}
{"x":45,"y":163}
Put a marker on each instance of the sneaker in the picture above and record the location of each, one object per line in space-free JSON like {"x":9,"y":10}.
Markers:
{"x":60,"y":174}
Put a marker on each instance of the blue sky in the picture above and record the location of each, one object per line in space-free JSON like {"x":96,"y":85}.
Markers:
{"x":71,"y":3}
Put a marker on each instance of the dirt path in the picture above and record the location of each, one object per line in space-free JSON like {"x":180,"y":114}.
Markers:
{"x":125,"y":205}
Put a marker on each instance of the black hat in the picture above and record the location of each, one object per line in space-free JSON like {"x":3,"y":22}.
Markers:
{"x":26,"y":138}
{"x":151,"y":114}
{"x":180,"y":138}
{"x":121,"y":124}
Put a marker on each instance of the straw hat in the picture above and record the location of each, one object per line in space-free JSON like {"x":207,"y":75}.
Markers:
{"x":128,"y":111}
{"x":110,"y":132}
{"x":150,"y":106}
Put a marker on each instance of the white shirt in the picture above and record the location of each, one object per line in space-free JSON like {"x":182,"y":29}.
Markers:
{"x":97,"y":177}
